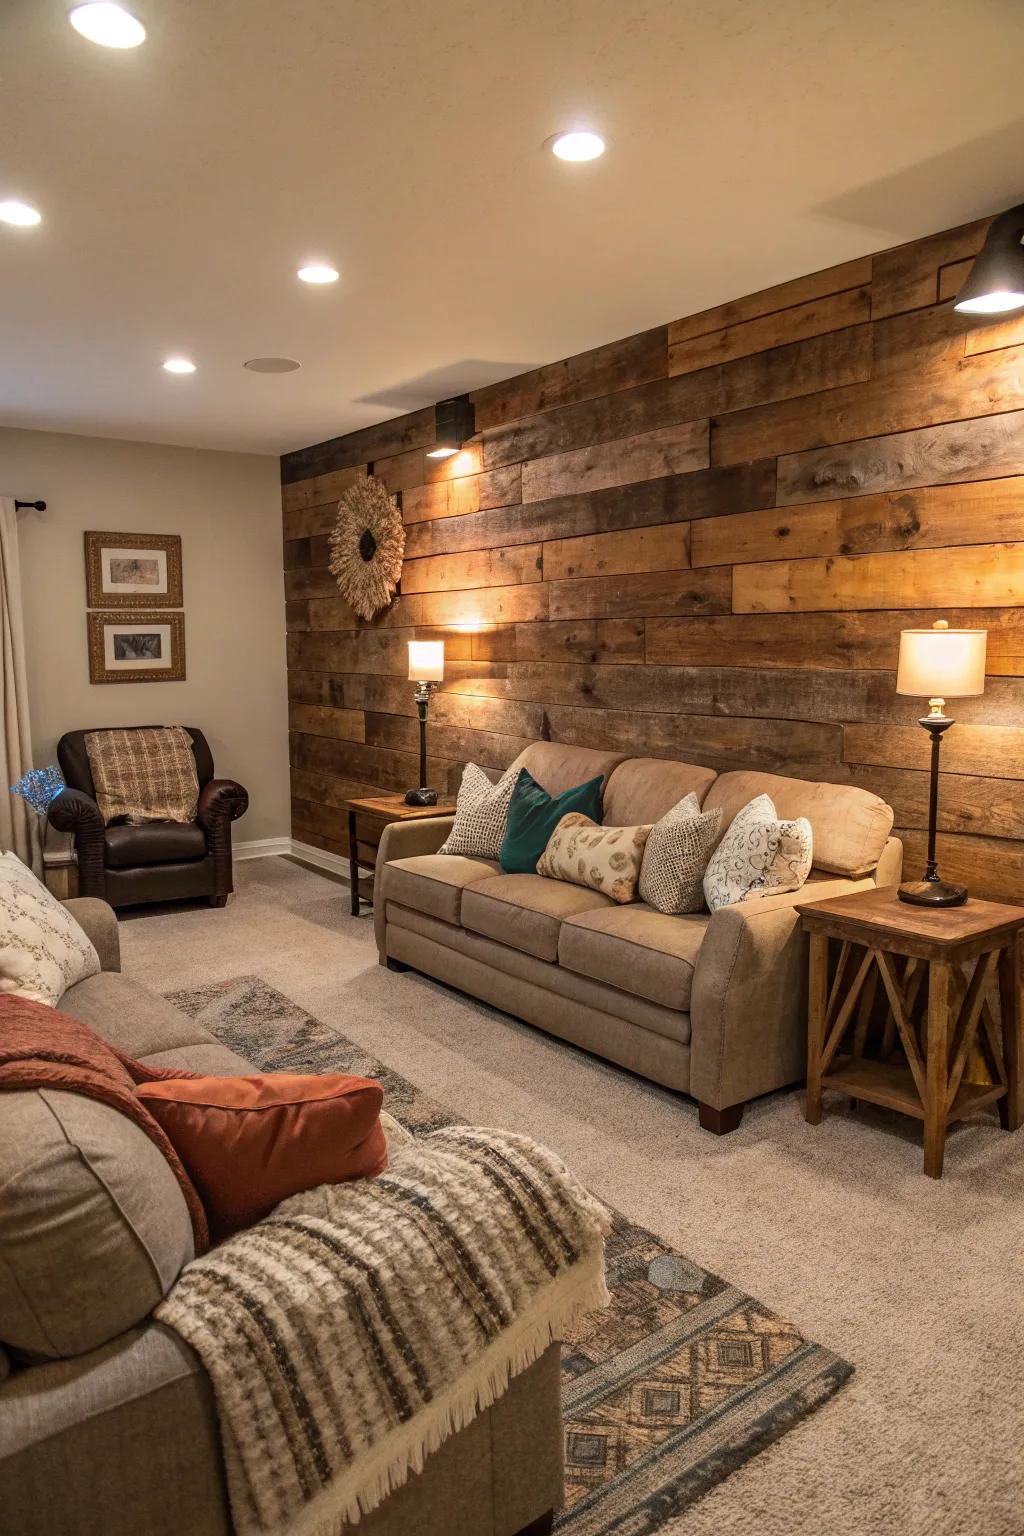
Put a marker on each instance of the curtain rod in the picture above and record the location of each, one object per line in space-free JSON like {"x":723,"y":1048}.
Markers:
{"x":37,"y":506}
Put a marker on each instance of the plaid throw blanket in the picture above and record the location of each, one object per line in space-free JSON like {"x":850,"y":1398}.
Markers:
{"x":147,"y":773}
{"x":358,"y":1326}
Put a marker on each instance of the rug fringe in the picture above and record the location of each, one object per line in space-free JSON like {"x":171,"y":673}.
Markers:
{"x":389,"y":1464}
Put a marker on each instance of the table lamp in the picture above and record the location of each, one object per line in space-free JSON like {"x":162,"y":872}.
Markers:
{"x":939,"y":664}
{"x":426,"y":670}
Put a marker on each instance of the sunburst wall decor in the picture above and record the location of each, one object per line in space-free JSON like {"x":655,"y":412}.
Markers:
{"x":367,"y":543}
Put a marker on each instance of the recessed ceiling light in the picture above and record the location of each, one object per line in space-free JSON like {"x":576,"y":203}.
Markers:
{"x":13,"y":212}
{"x":578,"y":145}
{"x":109,"y":25}
{"x":272,"y":365}
{"x":179,"y":365}
{"x":318,"y":273}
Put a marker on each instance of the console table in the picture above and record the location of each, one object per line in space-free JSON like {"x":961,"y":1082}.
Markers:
{"x":951,"y":984}
{"x":378,"y":810}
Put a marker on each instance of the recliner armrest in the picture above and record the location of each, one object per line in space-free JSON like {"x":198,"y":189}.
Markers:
{"x":221,"y":800}
{"x":75,"y":812}
{"x":404,"y":840}
{"x":748,"y":1018}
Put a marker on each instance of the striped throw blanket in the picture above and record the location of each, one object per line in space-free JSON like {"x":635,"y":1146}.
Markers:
{"x":359,"y":1325}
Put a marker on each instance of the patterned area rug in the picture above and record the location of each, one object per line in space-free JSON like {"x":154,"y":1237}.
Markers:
{"x":666,"y":1393}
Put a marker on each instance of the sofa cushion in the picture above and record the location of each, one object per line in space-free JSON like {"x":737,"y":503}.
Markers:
{"x":849,"y":825}
{"x":636,"y":949}
{"x":130,"y":1017}
{"x":557,"y":767}
{"x":643,"y":789}
{"x":158,"y":842}
{"x":94,"y":1228}
{"x":434,"y":882}
{"x":526,"y":911}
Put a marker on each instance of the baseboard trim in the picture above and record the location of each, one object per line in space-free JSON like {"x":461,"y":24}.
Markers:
{"x":261,"y":848}
{"x":320,"y":858}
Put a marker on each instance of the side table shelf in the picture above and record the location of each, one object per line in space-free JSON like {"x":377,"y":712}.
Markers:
{"x":916,"y":1010}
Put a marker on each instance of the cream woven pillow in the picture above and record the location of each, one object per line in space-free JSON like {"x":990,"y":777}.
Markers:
{"x":758,"y":856}
{"x":605,"y":859}
{"x":481,"y":814}
{"x":43,"y":951}
{"x":676,"y":857}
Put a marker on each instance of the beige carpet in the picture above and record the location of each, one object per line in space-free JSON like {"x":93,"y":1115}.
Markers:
{"x":918,"y":1283}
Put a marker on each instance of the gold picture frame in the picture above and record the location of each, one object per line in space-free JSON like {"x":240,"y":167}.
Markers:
{"x":140,"y":647}
{"x":133,"y":570}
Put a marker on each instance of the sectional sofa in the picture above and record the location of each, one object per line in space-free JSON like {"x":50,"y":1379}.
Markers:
{"x":710,"y":1005}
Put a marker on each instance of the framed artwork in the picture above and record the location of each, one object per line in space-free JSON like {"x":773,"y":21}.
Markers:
{"x":124,"y":570}
{"x":136,"y":647}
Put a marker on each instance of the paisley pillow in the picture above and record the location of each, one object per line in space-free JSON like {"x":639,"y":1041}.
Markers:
{"x":605,"y":859}
{"x":758,"y":856}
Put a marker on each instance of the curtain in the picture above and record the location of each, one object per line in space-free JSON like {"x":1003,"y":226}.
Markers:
{"x":16,"y":820}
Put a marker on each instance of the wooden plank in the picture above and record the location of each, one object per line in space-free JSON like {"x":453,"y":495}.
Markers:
{"x":310,"y":582}
{"x":601,"y":371}
{"x":990,"y":867}
{"x":832,"y":640}
{"x":660,"y":592}
{"x":481,"y":568}
{"x":297,"y":553}
{"x":459,"y":745}
{"x":952,"y":278}
{"x":664,"y":548}
{"x":465,"y":494}
{"x":321,"y":720}
{"x":989,"y":751}
{"x":374,"y":765}
{"x":975,"y":387}
{"x":670,"y":499}
{"x":667,"y":451}
{"x":968,"y":803}
{"x":396,"y":435}
{"x":980,"y":575}
{"x":307,"y":521}
{"x":965,"y":450}
{"x":584,"y":640}
{"x":370,"y":650}
{"x":326,"y":788}
{"x":991,"y":338}
{"x":908,"y":276}
{"x":821,"y":362}
{"x":797,"y":323}
{"x":988,"y":511}
{"x":921,"y":338}
{"x":772,"y":746}
{"x":335,"y":612}
{"x":471,"y":610}
{"x":800,"y":290}
{"x":296,"y":614}
{"x":318,"y":489}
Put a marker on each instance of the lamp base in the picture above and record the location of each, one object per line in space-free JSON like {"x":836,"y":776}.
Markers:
{"x":421,"y":797}
{"x":932,"y":893}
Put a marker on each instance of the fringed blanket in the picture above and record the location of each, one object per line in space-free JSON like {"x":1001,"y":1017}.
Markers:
{"x":358,"y":1326}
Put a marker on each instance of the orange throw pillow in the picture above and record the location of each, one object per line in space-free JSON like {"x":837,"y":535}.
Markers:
{"x":250,"y":1142}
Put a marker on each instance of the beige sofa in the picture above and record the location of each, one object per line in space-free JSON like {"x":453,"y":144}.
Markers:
{"x":121,"y":1438}
{"x":711,"y":1005}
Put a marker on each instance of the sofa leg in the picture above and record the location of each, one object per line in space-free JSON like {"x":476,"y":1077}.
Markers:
{"x":539,"y":1527}
{"x":719,"y":1121}
{"x":218,"y":901}
{"x":396,"y":965}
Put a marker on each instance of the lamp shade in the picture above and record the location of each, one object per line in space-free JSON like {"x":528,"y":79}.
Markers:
{"x":995,"y":284}
{"x":426,"y":661}
{"x":941,"y":662}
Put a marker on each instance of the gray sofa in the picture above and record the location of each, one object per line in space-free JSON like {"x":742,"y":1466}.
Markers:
{"x":121,"y":1438}
{"x":711,"y":1005}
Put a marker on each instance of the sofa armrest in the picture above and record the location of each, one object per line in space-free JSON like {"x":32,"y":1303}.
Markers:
{"x":748,"y":1008}
{"x":221,"y":800}
{"x":77,"y":813}
{"x":404,"y":840}
{"x":99,"y":922}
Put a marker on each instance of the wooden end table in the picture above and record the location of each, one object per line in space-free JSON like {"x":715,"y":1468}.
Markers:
{"x":380,"y":810}
{"x":948,"y":1031}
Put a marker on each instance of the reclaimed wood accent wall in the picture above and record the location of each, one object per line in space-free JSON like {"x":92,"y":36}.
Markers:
{"x":700,"y":543}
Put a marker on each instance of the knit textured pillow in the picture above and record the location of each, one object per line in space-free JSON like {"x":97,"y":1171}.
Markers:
{"x":481,"y":814}
{"x":676,"y":857}
{"x":43,"y":950}
{"x":758,"y":856}
{"x":605,"y":859}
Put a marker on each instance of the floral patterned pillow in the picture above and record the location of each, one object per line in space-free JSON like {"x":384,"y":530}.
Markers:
{"x":605,"y":859}
{"x":758,"y":856}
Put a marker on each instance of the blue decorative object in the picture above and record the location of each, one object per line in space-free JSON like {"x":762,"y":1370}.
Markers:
{"x":39,"y":787}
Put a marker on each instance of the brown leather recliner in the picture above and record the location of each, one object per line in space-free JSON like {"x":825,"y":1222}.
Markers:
{"x":160,"y":861}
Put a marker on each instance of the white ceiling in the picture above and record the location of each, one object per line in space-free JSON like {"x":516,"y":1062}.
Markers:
{"x":182,"y":184}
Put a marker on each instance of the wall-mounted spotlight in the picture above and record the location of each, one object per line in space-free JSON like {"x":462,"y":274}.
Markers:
{"x":995,"y":284}
{"x":454,"y":424}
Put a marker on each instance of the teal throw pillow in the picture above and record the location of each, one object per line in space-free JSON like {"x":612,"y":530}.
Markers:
{"x":533,"y":815}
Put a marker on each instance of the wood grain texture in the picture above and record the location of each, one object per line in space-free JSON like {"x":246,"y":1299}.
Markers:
{"x":667,"y":451}
{"x":699,"y":543}
{"x":981,"y":576}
